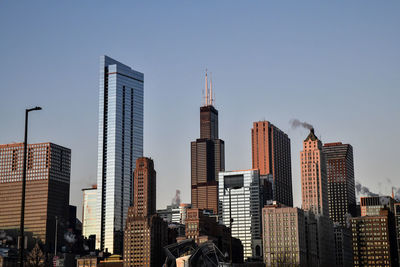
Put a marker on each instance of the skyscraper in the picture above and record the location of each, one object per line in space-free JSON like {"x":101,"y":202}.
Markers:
{"x":314,"y":186}
{"x":271,"y":155}
{"x":120,"y":143}
{"x":47,"y":188}
{"x":89,"y":205}
{"x":244,"y":201}
{"x":145,"y":232}
{"x":207,"y":157}
{"x":341,"y":190}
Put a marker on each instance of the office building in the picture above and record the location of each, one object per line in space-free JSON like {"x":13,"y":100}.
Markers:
{"x":145,"y":232}
{"x":271,"y":155}
{"x":314,"y":186}
{"x":47,"y":188}
{"x":170,"y":214}
{"x":340,"y":174}
{"x":397,"y":223}
{"x":284,"y":236}
{"x":120,"y":143}
{"x":89,"y":216}
{"x":343,"y":245}
{"x":371,"y":206}
{"x":374,"y":240}
{"x":244,"y":204}
{"x":207,"y":157}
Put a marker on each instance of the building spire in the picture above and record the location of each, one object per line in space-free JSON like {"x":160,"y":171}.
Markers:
{"x":211,"y":92}
{"x":206,"y":100}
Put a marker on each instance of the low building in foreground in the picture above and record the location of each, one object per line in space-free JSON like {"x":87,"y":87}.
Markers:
{"x":284,"y":236}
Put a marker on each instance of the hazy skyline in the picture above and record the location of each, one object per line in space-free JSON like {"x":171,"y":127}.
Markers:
{"x":334,"y":65}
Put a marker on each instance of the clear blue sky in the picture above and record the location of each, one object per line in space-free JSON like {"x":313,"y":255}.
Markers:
{"x":334,"y":64}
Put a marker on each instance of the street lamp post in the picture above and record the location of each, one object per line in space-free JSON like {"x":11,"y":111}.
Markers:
{"x":22,"y":239}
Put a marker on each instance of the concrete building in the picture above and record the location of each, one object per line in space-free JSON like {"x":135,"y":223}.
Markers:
{"x":207,"y":158}
{"x":245,"y":202}
{"x":120,"y":143}
{"x":371,"y":206}
{"x":47,"y":188}
{"x":284,"y":236}
{"x":341,"y":185}
{"x":314,"y":183}
{"x":170,"y":214}
{"x":374,"y":240}
{"x":145,"y":233}
{"x":271,"y":155}
{"x":89,"y":216}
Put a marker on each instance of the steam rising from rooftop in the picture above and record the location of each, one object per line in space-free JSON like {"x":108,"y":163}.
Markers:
{"x":363,"y":190}
{"x":295,"y":123}
{"x":177,"y":199}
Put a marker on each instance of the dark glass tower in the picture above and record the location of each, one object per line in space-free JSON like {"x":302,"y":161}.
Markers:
{"x":341,"y":190}
{"x":207,"y":158}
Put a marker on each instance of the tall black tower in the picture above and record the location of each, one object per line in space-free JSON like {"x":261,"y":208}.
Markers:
{"x":207,"y":157}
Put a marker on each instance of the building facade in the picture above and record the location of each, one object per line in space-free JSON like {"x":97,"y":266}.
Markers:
{"x":341,"y":185}
{"x":244,"y":203}
{"x":371,"y":206}
{"x":397,"y":223}
{"x":314,"y":183}
{"x":343,"y":246}
{"x":374,"y":240}
{"x":145,"y":233}
{"x":120,"y":143}
{"x":284,"y":236}
{"x":207,"y":158}
{"x":89,"y":206}
{"x":47,"y":188}
{"x":271,"y":155}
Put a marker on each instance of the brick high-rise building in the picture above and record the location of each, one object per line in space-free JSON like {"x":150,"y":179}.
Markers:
{"x":314,"y":183}
{"x":374,"y":240}
{"x":271,"y":155}
{"x":207,"y":158}
{"x":145,"y":232}
{"x":47,"y":188}
{"x":341,"y":190}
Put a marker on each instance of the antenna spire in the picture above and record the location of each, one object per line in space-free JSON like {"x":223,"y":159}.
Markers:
{"x":211,"y":93}
{"x":206,"y":100}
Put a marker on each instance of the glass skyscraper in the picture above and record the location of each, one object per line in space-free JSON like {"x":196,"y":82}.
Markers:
{"x":245,"y":207}
{"x":120,"y":143}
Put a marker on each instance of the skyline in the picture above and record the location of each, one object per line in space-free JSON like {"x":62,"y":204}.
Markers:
{"x":289,"y":63}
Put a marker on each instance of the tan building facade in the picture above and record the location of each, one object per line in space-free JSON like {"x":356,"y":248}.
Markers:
{"x":271,"y":155}
{"x":47,"y":188}
{"x":284,"y":236}
{"x":314,"y":183}
{"x":145,"y":233}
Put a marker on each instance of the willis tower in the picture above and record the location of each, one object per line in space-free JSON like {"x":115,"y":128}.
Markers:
{"x":207,"y":156}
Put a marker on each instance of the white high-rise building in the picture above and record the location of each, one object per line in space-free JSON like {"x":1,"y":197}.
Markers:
{"x":244,"y":187}
{"x":120,"y":143}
